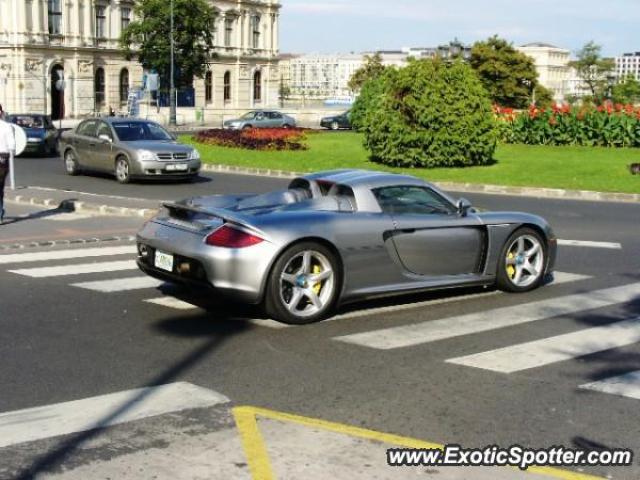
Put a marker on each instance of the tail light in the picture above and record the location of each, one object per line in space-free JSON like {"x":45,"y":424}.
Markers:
{"x":230,"y":237}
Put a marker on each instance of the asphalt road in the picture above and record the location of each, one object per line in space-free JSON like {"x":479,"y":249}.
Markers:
{"x":61,"y":341}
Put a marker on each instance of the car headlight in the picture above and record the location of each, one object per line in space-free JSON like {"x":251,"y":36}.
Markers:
{"x":195,"y":155}
{"x":146,"y":155}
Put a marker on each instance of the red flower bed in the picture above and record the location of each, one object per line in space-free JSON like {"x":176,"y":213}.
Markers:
{"x":255,"y":138}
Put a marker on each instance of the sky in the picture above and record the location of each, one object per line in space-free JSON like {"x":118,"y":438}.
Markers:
{"x":327,"y":26}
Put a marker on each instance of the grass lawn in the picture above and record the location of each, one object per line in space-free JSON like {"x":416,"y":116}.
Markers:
{"x":575,"y":168}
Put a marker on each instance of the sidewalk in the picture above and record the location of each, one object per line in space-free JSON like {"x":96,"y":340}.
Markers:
{"x":83,"y":202}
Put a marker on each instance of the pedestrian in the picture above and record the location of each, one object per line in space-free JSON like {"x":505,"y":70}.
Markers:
{"x":7,"y":148}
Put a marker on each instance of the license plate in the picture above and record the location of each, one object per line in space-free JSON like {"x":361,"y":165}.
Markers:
{"x":164,"y":261}
{"x":178,"y":167}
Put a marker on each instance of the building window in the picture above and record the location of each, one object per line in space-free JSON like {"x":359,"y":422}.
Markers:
{"x":124,"y":86}
{"x":227,"y":86}
{"x":228,"y":31}
{"x":55,"y":17}
{"x":99,"y":88}
{"x":125,"y":18}
{"x":255,"y":23}
{"x":101,"y":21}
{"x":208,"y":87}
{"x":257,"y":86}
{"x":214,"y":30}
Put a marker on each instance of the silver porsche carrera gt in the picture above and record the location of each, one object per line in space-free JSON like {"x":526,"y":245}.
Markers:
{"x":340,"y":236}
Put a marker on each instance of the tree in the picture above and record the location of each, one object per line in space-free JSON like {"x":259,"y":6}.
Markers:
{"x":593,"y":70}
{"x":431,"y":113}
{"x":508,"y":75}
{"x":542,"y":96}
{"x":372,"y":68}
{"x":627,"y":90}
{"x":149,"y":38}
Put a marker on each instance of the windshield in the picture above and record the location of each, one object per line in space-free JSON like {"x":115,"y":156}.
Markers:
{"x":136,"y":131}
{"x":28,"y":121}
{"x":248,"y":116}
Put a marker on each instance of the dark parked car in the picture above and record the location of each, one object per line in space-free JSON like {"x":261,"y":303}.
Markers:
{"x":42,"y":136}
{"x":337,"y":122}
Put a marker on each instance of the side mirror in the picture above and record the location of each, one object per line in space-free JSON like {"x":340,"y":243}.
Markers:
{"x":106,"y":138}
{"x":463,"y":206}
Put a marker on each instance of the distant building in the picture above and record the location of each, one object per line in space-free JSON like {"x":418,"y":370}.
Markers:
{"x":628,"y":64}
{"x":326,"y":76}
{"x":552,"y":65}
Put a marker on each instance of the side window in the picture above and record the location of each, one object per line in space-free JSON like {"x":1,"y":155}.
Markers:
{"x":87,"y":129}
{"x":259,"y":116}
{"x":411,"y":200}
{"x":275,"y":115}
{"x":104,"y":129}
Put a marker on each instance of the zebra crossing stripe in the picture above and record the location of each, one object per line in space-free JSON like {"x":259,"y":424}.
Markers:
{"x":102,"y":411}
{"x":66,"y":254}
{"x":120,"y":284}
{"x":65,"y":270}
{"x":434,"y":330}
{"x":582,"y":243}
{"x":627,"y":385}
{"x":554,"y":349}
{"x":172,"y":302}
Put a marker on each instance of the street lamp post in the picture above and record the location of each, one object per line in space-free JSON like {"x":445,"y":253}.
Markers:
{"x":172,"y":87}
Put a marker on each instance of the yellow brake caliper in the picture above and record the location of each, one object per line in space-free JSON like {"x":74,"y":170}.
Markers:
{"x":317,"y":286}
{"x":511,"y":270}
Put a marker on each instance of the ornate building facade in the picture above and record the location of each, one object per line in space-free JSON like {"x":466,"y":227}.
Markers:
{"x":46,"y":44}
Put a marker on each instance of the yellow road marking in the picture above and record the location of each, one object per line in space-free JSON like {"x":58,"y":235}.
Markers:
{"x":258,"y":458}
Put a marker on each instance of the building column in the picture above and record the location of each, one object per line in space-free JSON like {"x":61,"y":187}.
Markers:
{"x":88,"y":23}
{"x":276,"y":33}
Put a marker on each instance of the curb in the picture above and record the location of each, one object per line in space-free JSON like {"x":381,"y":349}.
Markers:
{"x":82,"y":207}
{"x":58,"y":243}
{"x":557,"y":193}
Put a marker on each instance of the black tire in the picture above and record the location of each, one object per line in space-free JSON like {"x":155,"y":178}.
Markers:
{"x":278,"y":290}
{"x":506,"y":276}
{"x":247,"y":127}
{"x":71,"y":165}
{"x":123,"y":170}
{"x":286,"y":126}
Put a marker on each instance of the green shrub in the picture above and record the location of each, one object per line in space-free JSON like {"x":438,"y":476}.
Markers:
{"x":429,"y":114}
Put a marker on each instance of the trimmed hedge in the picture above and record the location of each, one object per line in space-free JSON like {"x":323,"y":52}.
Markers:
{"x":606,"y":126}
{"x":255,"y":138}
{"x":429,"y":114}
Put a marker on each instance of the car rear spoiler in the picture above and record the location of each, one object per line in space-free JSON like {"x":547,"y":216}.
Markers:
{"x":225,"y":215}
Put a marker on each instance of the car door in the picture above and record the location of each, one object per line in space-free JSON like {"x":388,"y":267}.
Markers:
{"x":103,"y":148}
{"x":81,"y":140}
{"x":430,"y":237}
{"x":275,"y":119}
{"x":260,"y":120}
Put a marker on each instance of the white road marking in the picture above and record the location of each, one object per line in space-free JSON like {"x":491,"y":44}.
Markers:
{"x":64,"y":270}
{"x":558,"y":279}
{"x":434,"y":330}
{"x":96,"y":412}
{"x":120,"y":284}
{"x":67,"y":217}
{"x":580,"y":243}
{"x":627,"y":385}
{"x":66,"y":254}
{"x":171,"y":302}
{"x":554,"y":349}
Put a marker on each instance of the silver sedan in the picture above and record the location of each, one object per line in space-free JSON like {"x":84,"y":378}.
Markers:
{"x":128,"y":148}
{"x":261,"y":119}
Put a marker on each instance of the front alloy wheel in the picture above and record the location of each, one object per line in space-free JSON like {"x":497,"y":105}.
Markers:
{"x":70,"y":163}
{"x":303,"y":285}
{"x":522,"y":264}
{"x":123,"y":174}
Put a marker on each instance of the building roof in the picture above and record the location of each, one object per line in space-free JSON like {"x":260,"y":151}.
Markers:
{"x":541,"y":45}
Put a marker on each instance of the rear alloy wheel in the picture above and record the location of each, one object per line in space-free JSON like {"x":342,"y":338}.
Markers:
{"x":123,"y":173}
{"x":304,"y":284}
{"x":523,"y":261}
{"x":335,"y":126}
{"x":71,"y":164}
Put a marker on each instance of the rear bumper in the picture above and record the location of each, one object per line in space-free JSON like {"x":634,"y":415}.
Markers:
{"x":240,"y":274}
